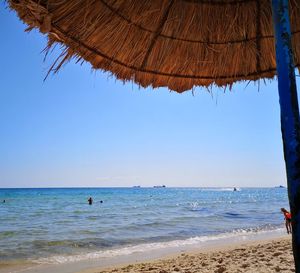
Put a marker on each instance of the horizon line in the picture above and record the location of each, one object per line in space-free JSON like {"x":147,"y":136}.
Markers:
{"x":137,"y":187}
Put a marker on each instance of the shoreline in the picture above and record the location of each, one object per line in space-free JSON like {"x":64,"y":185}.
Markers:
{"x":152,"y":255}
{"x":260,"y":257}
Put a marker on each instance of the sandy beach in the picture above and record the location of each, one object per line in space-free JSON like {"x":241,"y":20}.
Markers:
{"x":260,"y":256}
{"x":144,"y":230}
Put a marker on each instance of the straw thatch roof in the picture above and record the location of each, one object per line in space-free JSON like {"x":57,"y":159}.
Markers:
{"x":173,"y":43}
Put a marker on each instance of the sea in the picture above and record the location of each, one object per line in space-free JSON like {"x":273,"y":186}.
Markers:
{"x":57,"y":225}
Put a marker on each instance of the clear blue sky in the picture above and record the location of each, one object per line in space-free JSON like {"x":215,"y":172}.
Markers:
{"x":81,"y":128}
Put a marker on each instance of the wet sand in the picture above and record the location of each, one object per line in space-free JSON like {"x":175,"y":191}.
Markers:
{"x":261,"y":256}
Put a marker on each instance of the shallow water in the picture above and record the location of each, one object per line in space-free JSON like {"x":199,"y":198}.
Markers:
{"x":45,"y":224}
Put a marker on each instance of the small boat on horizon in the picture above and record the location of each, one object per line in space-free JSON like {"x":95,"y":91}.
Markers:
{"x":159,"y":186}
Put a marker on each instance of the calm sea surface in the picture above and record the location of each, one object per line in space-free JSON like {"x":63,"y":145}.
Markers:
{"x":54,"y":225}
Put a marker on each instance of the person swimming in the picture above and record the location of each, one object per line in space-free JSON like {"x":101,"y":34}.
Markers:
{"x":288,"y":220}
{"x":90,"y":200}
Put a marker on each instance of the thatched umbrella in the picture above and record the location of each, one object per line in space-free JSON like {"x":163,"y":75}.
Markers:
{"x":185,"y":43}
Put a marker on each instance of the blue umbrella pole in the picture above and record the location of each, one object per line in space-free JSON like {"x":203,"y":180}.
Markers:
{"x":290,"y":121}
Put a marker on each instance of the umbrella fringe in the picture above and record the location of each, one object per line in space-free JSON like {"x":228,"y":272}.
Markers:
{"x":173,"y":44}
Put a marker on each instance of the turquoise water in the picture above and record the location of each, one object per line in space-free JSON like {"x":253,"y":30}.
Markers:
{"x":45,"y":224}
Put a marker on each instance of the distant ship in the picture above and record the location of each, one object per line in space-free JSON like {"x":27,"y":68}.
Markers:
{"x":136,"y":186}
{"x":280,"y":186}
{"x":159,"y":186}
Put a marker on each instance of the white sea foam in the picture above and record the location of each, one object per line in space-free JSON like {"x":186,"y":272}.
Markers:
{"x":63,"y":224}
{"x":198,"y":241}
